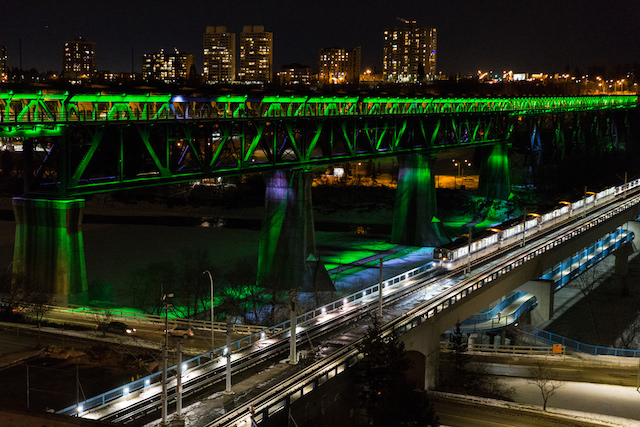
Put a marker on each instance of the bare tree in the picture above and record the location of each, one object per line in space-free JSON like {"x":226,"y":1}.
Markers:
{"x":586,"y":283}
{"x":544,"y":377}
{"x":145,"y":285}
{"x":39,"y":304}
{"x":628,"y":336}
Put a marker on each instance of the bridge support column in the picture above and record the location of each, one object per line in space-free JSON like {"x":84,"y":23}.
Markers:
{"x":414,"y":220}
{"x":426,"y":340}
{"x":49,"y":250}
{"x":622,"y":254}
{"x":495,"y":181}
{"x":287,"y":254}
{"x":543,"y":291}
{"x":622,"y":259}
{"x":634,"y":226}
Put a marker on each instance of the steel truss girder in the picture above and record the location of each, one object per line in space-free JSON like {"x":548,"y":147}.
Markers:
{"x":120,"y":155}
{"x":21,"y":112}
{"x":567,"y":134}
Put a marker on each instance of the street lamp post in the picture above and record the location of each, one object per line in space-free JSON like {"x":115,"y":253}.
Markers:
{"x":468,"y":268}
{"x":460,"y":173}
{"x":165,"y":349}
{"x":380,"y":292}
{"x":213,"y":343}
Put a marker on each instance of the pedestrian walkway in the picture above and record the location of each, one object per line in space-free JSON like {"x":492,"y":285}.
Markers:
{"x":504,"y":314}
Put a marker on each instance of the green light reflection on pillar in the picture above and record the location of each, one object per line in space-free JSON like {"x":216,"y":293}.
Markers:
{"x":49,"y":248}
{"x":414,"y":215}
{"x":495,"y":181}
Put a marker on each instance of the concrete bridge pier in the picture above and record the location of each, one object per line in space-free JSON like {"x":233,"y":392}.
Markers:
{"x":414,"y":216}
{"x":495,"y":181}
{"x":48,"y":252}
{"x":543,"y":291}
{"x":622,"y":254}
{"x":425,"y":340}
{"x":287,"y":254}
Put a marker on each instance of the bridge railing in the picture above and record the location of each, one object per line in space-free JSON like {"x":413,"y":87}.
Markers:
{"x":269,"y":332}
{"x":591,"y":256}
{"x":272,"y":402}
{"x":512,"y":349}
{"x":595,"y":350}
{"x":466,"y":288}
{"x":63,"y":107}
{"x":402,"y":325}
{"x":488,"y":315}
{"x":98,"y":314}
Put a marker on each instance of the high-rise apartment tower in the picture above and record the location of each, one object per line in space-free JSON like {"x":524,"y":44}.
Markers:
{"x":256,"y":55}
{"x":79,"y":59}
{"x":339,"y":65}
{"x":219,"y":55}
{"x":167,"y":67}
{"x":409,"y":53}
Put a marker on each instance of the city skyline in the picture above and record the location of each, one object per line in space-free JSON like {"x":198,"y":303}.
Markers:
{"x":471,"y":35}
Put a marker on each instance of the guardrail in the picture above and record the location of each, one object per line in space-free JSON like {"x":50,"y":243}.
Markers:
{"x":236,"y":345}
{"x":512,"y":349}
{"x":95,"y":313}
{"x":574,"y":345}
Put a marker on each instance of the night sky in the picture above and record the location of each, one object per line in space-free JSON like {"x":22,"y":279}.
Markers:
{"x":532,"y":36}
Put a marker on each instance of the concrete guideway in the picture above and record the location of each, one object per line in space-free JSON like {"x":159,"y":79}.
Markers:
{"x":430,"y":300}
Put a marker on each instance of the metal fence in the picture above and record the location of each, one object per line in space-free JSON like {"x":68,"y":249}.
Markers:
{"x":159,"y":319}
{"x":595,"y":350}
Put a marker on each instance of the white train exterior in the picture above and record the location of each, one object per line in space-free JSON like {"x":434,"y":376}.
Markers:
{"x":458,"y":252}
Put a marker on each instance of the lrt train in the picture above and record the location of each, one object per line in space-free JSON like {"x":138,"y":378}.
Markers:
{"x":457,"y":253}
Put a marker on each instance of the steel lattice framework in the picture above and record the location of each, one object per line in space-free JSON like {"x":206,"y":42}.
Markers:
{"x":83,"y":143}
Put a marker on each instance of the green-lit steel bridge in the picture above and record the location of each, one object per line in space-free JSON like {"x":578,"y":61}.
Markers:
{"x":78,"y":144}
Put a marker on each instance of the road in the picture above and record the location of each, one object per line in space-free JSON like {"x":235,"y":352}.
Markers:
{"x":453,"y":413}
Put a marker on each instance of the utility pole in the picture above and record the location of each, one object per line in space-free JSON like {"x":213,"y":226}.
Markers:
{"x":165,"y":349}
{"x":380,"y":292}
{"x":164,"y":421}
{"x":524,"y":227}
{"x":469,"y":251}
{"x":228,"y":374}
{"x":213,"y":343}
{"x":292,"y":341}
{"x":179,"y":383}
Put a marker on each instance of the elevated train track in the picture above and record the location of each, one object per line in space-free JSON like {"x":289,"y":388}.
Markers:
{"x":346,"y":315}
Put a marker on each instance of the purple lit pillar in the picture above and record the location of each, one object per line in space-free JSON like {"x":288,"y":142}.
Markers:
{"x":287,"y":253}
